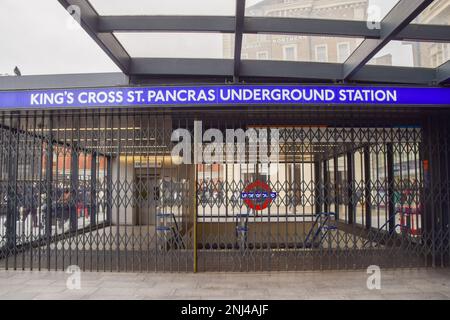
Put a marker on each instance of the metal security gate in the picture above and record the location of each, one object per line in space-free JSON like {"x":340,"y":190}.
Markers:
{"x":105,"y":191}
{"x":94,"y":190}
{"x":345,"y":198}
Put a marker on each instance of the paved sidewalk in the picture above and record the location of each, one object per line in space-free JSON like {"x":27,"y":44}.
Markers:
{"x":398,"y":284}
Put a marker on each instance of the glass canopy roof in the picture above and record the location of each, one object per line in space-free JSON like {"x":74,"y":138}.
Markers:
{"x":167,"y":7}
{"x":331,"y":40}
{"x":320,"y":32}
{"x":178,"y":45}
{"x":298,"y":48}
{"x":373,"y":10}
{"x":413,"y":54}
{"x":437,"y":13}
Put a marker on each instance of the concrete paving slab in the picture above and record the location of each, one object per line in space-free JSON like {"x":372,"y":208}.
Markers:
{"x":395,"y":284}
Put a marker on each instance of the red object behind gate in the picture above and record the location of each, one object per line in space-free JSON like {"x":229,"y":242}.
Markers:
{"x":82,"y":211}
{"x":410,"y":221}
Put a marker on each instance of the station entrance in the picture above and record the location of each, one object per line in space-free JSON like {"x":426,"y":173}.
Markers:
{"x":103,"y":190}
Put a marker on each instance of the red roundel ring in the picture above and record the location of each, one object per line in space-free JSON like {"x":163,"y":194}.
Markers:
{"x":266,"y":193}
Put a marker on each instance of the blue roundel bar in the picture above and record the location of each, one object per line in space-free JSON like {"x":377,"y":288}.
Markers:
{"x":258,"y":195}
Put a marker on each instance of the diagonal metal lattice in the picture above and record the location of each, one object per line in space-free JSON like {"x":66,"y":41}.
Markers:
{"x":347,"y":196}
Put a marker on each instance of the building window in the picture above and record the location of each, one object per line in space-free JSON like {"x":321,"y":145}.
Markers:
{"x":437,"y":59}
{"x":262,"y":55}
{"x":447,"y":51}
{"x":260,"y":37}
{"x":321,"y":53}
{"x":244,"y":56}
{"x":343,"y":51}
{"x":437,"y":55}
{"x":290,"y":52}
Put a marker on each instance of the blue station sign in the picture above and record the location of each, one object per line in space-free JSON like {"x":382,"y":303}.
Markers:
{"x":226,"y":95}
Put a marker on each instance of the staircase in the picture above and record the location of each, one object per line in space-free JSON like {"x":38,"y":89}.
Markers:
{"x":168,"y":232}
{"x":324,"y":222}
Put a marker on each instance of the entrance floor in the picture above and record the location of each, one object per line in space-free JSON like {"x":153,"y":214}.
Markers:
{"x":137,"y":249}
{"x":408,"y":284}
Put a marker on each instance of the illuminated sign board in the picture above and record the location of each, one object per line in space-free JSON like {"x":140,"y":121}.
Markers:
{"x":226,"y":95}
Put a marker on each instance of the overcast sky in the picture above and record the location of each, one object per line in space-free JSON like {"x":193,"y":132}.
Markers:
{"x":38,"y":35}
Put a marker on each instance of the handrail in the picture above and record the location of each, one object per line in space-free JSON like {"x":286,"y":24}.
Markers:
{"x":171,"y":214}
{"x":165,"y":228}
{"x":391,"y":231}
{"x":316,"y":221}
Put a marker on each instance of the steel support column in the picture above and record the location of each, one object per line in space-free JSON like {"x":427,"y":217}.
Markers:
{"x":238,"y":34}
{"x":93,"y":190}
{"x":195,"y":216}
{"x":367,"y":190}
{"x":351,"y":187}
{"x":336,"y":187}
{"x":12,"y":208}
{"x":318,"y":197}
{"x":436,"y":198}
{"x":109,"y":190}
{"x":71,"y":206}
{"x":326,"y":186}
{"x":49,"y":190}
{"x":391,"y":186}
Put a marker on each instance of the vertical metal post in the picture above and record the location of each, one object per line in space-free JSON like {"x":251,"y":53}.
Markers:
{"x":49,"y":181}
{"x":336,"y":187}
{"x":426,"y":197}
{"x":391,"y":187}
{"x":74,"y":187}
{"x":239,"y":26}
{"x":195,"y":220}
{"x":93,"y":189}
{"x":433,"y":224}
{"x":319,"y":187}
{"x":446,"y":184}
{"x":350,"y":187}
{"x":108,"y":190}
{"x":326,"y":186}
{"x":12,"y":212}
{"x":368,"y":193}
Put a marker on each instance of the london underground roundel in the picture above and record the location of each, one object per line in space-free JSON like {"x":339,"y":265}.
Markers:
{"x":258,"y":195}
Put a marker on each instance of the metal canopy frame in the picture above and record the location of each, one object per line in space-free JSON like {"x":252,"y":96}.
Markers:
{"x":395,"y":26}
{"x":399,"y":17}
